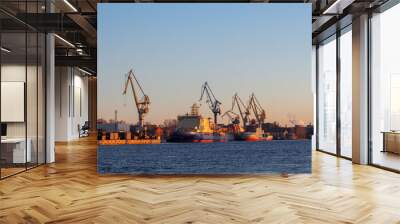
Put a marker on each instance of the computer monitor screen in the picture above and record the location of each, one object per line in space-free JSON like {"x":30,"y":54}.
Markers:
{"x":3,"y":129}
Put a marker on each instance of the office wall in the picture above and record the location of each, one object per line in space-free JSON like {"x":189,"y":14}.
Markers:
{"x":15,"y":72}
{"x":24,"y":60}
{"x":71,"y":102}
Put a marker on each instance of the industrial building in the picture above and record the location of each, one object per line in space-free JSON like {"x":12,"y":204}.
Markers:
{"x":49,"y":60}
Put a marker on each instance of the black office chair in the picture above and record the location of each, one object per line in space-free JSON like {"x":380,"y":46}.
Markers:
{"x":84,"y":130}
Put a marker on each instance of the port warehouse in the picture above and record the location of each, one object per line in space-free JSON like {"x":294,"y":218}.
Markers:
{"x":278,"y":132}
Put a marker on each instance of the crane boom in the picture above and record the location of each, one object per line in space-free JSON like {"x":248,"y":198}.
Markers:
{"x":233,"y":117}
{"x":243,"y":110}
{"x":212,"y":101}
{"x":142,"y":105}
{"x":258,"y":111}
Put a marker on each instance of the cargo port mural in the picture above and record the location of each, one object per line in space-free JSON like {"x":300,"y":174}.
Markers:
{"x":246,"y":122}
{"x":200,"y":96}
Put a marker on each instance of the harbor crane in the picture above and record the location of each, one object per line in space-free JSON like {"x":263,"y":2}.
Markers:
{"x":142,"y":101}
{"x":244,"y":110}
{"x":212,"y":101}
{"x":233,"y":117}
{"x":258,"y":111}
{"x":292,"y":119}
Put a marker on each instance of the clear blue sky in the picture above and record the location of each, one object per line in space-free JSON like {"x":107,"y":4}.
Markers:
{"x":175,"y":48}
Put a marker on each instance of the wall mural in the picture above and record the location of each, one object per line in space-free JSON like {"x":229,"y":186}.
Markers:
{"x":204,"y":88}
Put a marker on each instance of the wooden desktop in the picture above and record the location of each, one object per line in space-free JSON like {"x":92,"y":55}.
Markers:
{"x":391,"y":141}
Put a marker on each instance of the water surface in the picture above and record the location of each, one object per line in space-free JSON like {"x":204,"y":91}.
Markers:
{"x":206,"y":158}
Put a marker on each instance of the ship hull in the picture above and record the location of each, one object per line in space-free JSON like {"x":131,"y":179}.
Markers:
{"x":193,"y":137}
{"x":251,"y":137}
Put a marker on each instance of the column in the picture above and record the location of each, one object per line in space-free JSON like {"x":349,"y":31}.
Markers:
{"x":360,"y":90}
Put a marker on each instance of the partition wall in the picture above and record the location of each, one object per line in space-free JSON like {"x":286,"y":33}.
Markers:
{"x":22,"y":77}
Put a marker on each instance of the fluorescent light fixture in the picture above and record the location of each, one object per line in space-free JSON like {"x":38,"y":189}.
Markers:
{"x":65,"y":41}
{"x":84,"y":71}
{"x":333,"y":6}
{"x":338,"y":6}
{"x":5,"y":50}
{"x":70,"y":5}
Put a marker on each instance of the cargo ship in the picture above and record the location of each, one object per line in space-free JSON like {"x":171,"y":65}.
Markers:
{"x":192,"y":127}
{"x":252,"y":135}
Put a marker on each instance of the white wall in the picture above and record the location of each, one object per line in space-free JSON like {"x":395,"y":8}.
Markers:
{"x":71,"y":102}
{"x":12,"y":73}
{"x":33,"y":127}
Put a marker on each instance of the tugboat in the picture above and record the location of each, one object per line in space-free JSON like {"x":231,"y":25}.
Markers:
{"x":252,"y":135}
{"x":195,"y":128}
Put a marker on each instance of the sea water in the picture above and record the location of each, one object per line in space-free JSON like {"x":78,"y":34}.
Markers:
{"x":291,"y":156}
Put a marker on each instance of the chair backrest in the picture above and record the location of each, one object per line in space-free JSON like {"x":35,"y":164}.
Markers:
{"x":86,"y":125}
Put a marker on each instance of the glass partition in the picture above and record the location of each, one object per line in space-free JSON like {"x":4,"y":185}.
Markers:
{"x":22,"y":78}
{"x":13,"y":94}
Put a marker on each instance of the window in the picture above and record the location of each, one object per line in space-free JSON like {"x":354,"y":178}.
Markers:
{"x":346,"y":92}
{"x":327,"y":95}
{"x":385,"y":89}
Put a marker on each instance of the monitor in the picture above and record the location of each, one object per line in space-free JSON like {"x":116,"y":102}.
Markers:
{"x":3,"y":129}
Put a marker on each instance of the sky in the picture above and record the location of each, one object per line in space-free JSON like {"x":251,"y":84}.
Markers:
{"x":173,"y":49}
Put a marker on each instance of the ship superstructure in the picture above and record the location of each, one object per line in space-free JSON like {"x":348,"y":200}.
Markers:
{"x":192,"y":127}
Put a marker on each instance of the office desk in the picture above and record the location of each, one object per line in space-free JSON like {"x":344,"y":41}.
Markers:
{"x":391,"y":141}
{"x":13,"y":150}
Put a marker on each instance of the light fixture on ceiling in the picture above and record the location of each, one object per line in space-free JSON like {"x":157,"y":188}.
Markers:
{"x":84,"y":71}
{"x":70,"y":5}
{"x":331,"y":7}
{"x":5,"y":50}
{"x":337,"y":7}
{"x":64,"y":40}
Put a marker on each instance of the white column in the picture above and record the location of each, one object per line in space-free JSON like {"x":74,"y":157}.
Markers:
{"x":360,"y":90}
{"x":50,"y":99}
{"x":314,"y":93}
